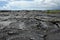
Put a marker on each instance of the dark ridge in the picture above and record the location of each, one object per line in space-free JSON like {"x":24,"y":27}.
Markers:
{"x":21,"y":10}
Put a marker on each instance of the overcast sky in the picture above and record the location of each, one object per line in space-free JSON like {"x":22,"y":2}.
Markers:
{"x":29,"y":4}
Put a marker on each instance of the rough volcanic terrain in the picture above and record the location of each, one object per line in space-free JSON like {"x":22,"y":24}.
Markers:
{"x":29,"y":25}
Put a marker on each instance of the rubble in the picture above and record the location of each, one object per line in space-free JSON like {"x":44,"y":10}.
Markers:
{"x":29,"y":25}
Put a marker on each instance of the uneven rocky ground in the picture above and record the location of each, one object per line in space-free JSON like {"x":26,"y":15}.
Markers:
{"x":27,"y":25}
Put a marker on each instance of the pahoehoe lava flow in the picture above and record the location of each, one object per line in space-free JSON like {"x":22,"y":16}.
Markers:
{"x":29,"y":25}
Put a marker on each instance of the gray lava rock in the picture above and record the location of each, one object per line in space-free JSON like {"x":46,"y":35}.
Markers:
{"x":29,"y":25}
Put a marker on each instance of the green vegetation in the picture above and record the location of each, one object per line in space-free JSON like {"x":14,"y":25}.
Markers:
{"x":53,"y":11}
